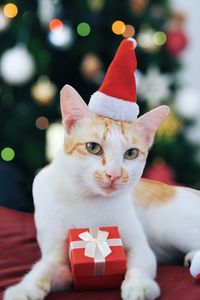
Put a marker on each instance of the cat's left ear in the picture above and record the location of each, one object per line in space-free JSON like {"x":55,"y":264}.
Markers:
{"x":151,"y":121}
{"x":73,"y":107}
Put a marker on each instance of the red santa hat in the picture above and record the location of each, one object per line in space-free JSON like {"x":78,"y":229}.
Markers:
{"x":116,"y":97}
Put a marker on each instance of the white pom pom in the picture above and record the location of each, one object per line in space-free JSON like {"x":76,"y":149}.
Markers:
{"x":17,"y":65}
{"x":134,"y":42}
{"x":195,"y":266}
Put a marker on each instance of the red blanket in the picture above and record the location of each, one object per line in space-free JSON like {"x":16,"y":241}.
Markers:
{"x":19,"y":250}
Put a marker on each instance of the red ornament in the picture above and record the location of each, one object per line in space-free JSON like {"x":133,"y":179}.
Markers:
{"x":176,"y":41}
{"x":160,"y":171}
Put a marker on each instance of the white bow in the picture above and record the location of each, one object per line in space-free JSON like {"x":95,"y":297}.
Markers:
{"x":95,"y":244}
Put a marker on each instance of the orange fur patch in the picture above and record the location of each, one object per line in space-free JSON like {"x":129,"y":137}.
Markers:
{"x":122,"y":127}
{"x":96,"y":128}
{"x":70,"y":148}
{"x":107,"y":121}
{"x":105,"y":134}
{"x":150,"y":192}
{"x":129,"y":131}
{"x":106,"y":124}
{"x":82,"y":152}
{"x":98,"y":176}
{"x":103,"y":161}
{"x":124,"y":175}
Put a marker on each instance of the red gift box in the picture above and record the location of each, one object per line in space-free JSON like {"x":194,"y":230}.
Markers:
{"x":106,"y":266}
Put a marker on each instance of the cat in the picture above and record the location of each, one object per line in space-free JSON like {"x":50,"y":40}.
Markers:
{"x":95,"y":180}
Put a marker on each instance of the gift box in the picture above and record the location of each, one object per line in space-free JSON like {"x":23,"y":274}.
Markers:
{"x":97,"y":257}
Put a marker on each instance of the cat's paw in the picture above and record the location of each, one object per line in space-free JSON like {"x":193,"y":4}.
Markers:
{"x":189,"y":257}
{"x":62,"y":278}
{"x":28,"y":291}
{"x":147,"y":289}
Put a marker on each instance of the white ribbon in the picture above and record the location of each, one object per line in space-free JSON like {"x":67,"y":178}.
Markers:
{"x":94,"y":245}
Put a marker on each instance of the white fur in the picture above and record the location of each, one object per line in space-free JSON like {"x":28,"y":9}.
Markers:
{"x":195,"y":263}
{"x":114,"y":108}
{"x":173,"y":228}
{"x":66,"y":196}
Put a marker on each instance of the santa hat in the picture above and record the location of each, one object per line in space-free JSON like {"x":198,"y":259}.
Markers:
{"x":116,"y":97}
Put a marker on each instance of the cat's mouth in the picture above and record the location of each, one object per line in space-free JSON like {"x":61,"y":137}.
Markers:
{"x":110,"y":187}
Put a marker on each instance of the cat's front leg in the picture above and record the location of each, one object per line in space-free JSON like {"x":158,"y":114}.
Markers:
{"x":139,"y":283}
{"x":46,"y":275}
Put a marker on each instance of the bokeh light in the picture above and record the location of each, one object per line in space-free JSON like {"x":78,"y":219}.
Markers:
{"x":159,"y":38}
{"x":169,"y":128}
{"x":145,"y":40}
{"x":83,"y":29}
{"x":54,"y":140}
{"x":129,"y":31}
{"x":10,"y":10}
{"x":7,"y":154}
{"x":55,"y":25}
{"x":91,"y":66}
{"x":62,"y":38}
{"x":96,"y":5}
{"x":42,"y":123}
{"x":4,"y":21}
{"x":118,"y":27}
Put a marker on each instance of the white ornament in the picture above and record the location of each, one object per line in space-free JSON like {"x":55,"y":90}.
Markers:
{"x":187,"y":102}
{"x":195,"y":265}
{"x":54,"y":140}
{"x":17,"y":65}
{"x":96,"y":5}
{"x":154,"y":87}
{"x":61,"y":38}
{"x":43,"y":91}
{"x":146,"y":41}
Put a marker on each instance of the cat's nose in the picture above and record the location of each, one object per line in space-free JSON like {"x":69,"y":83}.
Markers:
{"x":113,"y":174}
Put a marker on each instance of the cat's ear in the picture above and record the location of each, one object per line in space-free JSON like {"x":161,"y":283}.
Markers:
{"x":73,"y":107}
{"x":151,"y":121}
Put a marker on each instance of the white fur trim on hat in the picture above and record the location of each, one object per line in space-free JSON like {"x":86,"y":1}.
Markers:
{"x":113,"y":108}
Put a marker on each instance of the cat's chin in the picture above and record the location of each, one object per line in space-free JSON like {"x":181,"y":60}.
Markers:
{"x":106,"y":190}
{"x":109,"y":191}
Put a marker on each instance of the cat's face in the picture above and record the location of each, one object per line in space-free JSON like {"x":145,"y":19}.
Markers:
{"x":106,"y":156}
{"x":109,"y":156}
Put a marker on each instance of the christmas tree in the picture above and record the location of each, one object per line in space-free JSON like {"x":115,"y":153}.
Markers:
{"x":46,"y":44}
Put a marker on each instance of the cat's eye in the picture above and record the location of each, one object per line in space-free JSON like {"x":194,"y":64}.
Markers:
{"x":94,"y":148}
{"x":131,"y":153}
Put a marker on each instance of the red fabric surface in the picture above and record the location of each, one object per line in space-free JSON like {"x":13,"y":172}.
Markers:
{"x":19,"y":250}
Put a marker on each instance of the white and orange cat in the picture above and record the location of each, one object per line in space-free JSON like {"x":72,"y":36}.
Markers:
{"x":95,"y":181}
